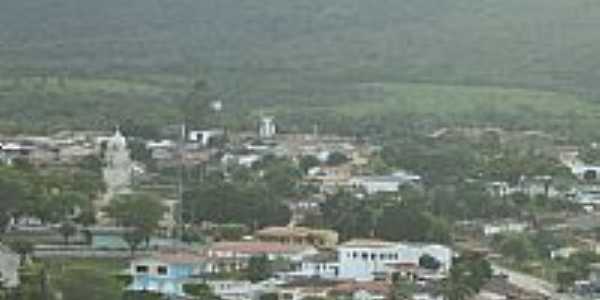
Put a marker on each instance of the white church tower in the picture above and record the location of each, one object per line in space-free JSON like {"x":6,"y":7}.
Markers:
{"x":267,"y":128}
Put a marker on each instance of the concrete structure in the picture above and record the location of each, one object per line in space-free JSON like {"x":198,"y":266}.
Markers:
{"x":234,"y":289}
{"x":204,"y":137}
{"x":299,"y":236}
{"x":165,"y":273}
{"x":234,"y":256}
{"x":9,"y":268}
{"x":506,"y":226}
{"x":385,"y":184}
{"x":368,"y":260}
{"x":267,"y":128}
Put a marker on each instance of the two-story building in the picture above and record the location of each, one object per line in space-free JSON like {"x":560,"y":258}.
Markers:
{"x":368,"y":260}
{"x":227,"y":257}
{"x":166,"y":273}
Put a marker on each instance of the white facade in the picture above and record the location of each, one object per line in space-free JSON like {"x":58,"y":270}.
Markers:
{"x":384,"y":184}
{"x":204,"y":136}
{"x":514,"y":227}
{"x":9,"y":268}
{"x":267,"y":128}
{"x":362,"y":260}
{"x":233,"y":289}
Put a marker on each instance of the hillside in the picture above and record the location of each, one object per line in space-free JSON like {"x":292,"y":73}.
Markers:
{"x":269,"y":52}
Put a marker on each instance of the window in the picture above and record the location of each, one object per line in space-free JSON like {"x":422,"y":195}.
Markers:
{"x":382,"y":256}
{"x":162,"y":270}
{"x":365,"y":256}
{"x":373,"y":256}
{"x":354,"y":255}
{"x":141,"y":269}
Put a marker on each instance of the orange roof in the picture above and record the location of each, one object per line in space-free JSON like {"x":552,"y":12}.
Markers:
{"x":257,"y":248}
{"x":179,"y":257}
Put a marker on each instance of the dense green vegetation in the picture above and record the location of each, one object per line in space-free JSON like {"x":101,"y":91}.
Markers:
{"x":394,"y":63}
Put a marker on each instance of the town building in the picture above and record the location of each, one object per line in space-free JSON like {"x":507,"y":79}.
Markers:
{"x":9,"y":268}
{"x":368,"y":260}
{"x":267,"y":128}
{"x":385,"y":184}
{"x":225,"y":257}
{"x":292,"y":235}
{"x":166,"y":273}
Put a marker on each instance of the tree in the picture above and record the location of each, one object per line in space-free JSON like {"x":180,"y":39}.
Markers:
{"x":429,"y":262}
{"x":455,"y":290}
{"x":565,"y":279}
{"x":67,"y":229}
{"x":139,"y":214}
{"x":402,"y":291}
{"x":86,"y":283}
{"x":337,"y":158}
{"x":22,"y":247}
{"x":199,"y":291}
{"x":259,"y":268}
{"x":519,"y":247}
{"x":308,"y":162}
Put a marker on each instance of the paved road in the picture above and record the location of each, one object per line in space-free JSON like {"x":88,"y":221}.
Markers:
{"x":117,"y":175}
{"x":531,"y":283}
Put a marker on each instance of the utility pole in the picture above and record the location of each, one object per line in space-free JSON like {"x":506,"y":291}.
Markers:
{"x":179,"y":210}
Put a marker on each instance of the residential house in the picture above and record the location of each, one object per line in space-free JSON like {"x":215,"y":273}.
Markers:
{"x":9,"y":268}
{"x":385,"y":184}
{"x":166,"y":272}
{"x":505,"y":226}
{"x":361,"y":290}
{"x":368,"y":260}
{"x":306,"y":288}
{"x":227,"y":257}
{"x":234,"y":289}
{"x":320,"y":238}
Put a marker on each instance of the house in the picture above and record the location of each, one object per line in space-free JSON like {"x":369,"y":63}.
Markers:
{"x":505,"y":226}
{"x":9,"y":268}
{"x":166,"y":272}
{"x":368,"y":260}
{"x":227,"y":257}
{"x":306,"y":288}
{"x":365,"y":260}
{"x":361,"y":290}
{"x":234,"y":289}
{"x":205,"y":137}
{"x":385,"y":184}
{"x":319,"y":238}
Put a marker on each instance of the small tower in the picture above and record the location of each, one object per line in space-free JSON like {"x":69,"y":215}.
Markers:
{"x":267,"y":128}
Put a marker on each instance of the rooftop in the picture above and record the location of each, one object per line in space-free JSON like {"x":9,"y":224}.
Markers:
{"x":368,"y":243}
{"x":293,"y":231}
{"x":257,"y":248}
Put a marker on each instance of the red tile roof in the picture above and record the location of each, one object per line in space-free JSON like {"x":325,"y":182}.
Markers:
{"x":257,"y":248}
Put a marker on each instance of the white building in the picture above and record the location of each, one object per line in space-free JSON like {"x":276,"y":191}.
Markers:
{"x":385,"y":184}
{"x":267,"y":128}
{"x":9,"y":268}
{"x":504,"y":227}
{"x":204,"y":137}
{"x":233,"y":289}
{"x":365,"y":260}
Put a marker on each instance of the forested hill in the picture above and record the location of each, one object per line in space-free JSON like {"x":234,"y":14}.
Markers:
{"x":526,"y":43}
